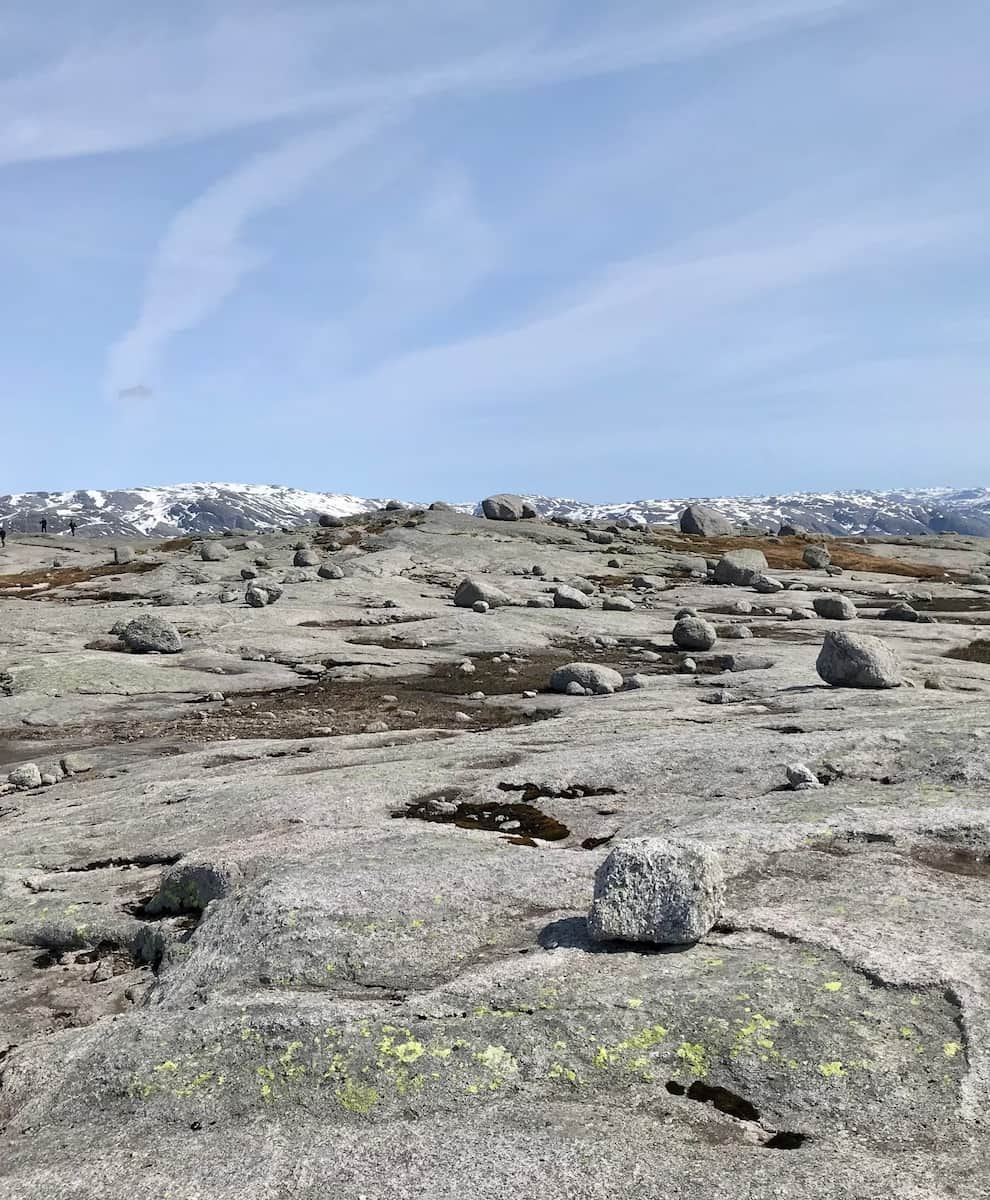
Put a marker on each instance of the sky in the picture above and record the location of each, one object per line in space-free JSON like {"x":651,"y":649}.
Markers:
{"x":440,"y":248}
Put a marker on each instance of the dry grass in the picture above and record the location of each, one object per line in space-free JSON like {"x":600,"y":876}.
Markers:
{"x":784,"y":554}
{"x":59,"y":577}
{"x":179,"y":543}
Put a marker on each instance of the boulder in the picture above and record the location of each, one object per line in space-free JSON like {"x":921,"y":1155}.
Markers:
{"x":229,"y":595}
{"x":579,"y":583}
{"x":213,"y":552}
{"x":618,"y":604}
{"x":470,"y":591}
{"x":738,"y":632}
{"x":327,"y":521}
{"x":76,"y":764}
{"x":662,"y":891}
{"x":902,"y":611}
{"x":858,"y":660}
{"x":740,"y":567}
{"x":766,"y":585}
{"x":816,"y":557}
{"x":122,"y":555}
{"x":588,"y":676}
{"x":700,"y":519}
{"x":570,"y":597}
{"x":481,"y":606}
{"x":504,"y":507}
{"x":694,"y":633}
{"x":25,"y":777}
{"x":835,"y":608}
{"x":150,"y":633}
{"x":788,"y":529}
{"x":600,"y":537}
{"x":802,"y":778}
{"x":255,"y":596}
{"x":249,"y":573}
{"x":306,"y":557}
{"x":330,"y":571}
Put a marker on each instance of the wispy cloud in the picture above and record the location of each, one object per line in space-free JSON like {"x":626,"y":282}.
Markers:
{"x":202,"y":258}
{"x":637,"y":307}
{"x":129,"y":92}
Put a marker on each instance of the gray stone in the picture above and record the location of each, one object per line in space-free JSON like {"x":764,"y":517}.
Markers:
{"x":681,"y":613}
{"x":582,"y":585}
{"x":25,"y":777}
{"x":504,"y":507}
{"x":328,"y":521}
{"x":229,"y":595}
{"x":540,"y":602}
{"x":305,"y":557}
{"x":739,"y":632}
{"x":481,"y":606}
{"x":901,"y":611}
{"x":694,"y":633}
{"x":802,"y":778}
{"x":600,"y":680}
{"x":249,"y":573}
{"x":816,"y":557}
{"x":657,"y":890}
{"x":255,"y":596}
{"x":740,"y":567}
{"x":150,"y":633}
{"x":618,"y":604}
{"x":835,"y":608}
{"x":858,"y":660}
{"x":766,"y":585}
{"x":600,"y":537}
{"x":213,"y":552}
{"x":569,"y":597}
{"x":330,"y":571}
{"x":706,"y":522}
{"x":76,"y":764}
{"x":470,"y":591}
{"x":122,"y":555}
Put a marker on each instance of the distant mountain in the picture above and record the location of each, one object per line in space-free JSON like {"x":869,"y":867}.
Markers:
{"x":171,"y":511}
{"x":193,"y":508}
{"x":912,"y":511}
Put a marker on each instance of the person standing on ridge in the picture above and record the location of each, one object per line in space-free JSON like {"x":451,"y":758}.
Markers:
{"x":72,"y":527}
{"x":3,"y":537}
{"x":44,"y":524}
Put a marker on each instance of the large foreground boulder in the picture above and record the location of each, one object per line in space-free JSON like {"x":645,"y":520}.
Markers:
{"x":213,"y":552}
{"x":151,"y":634}
{"x":740,"y":567}
{"x":470,"y":591}
{"x":656,"y":890}
{"x":590,"y":676}
{"x":305,"y":556}
{"x":504,"y":507}
{"x":700,"y":519}
{"x":858,"y":660}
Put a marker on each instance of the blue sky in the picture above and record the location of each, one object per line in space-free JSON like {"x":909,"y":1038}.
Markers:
{"x":444,"y":247}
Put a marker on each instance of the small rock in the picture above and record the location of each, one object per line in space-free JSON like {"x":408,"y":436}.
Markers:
{"x":899,"y":612}
{"x":470,"y":591}
{"x":656,"y":890}
{"x":766,"y":585}
{"x":569,"y":597}
{"x":481,"y":606}
{"x":618,"y":604}
{"x":694,"y":633}
{"x":213,"y":552}
{"x":858,"y":660}
{"x":306,"y":557}
{"x":688,"y":666}
{"x":256,"y":597}
{"x":802,"y":778}
{"x":685,"y":612}
{"x":249,"y":573}
{"x":122,"y":555}
{"x":588,"y":676}
{"x":529,"y":695}
{"x":229,"y":595}
{"x":739,"y":631}
{"x":835,"y":608}
{"x":152,"y":634}
{"x":463,"y":718}
{"x":25,"y":777}
{"x":330,"y":571}
{"x":76,"y":764}
{"x":816,"y":557}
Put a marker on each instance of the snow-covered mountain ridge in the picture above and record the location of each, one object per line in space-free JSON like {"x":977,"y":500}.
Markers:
{"x":210,"y":507}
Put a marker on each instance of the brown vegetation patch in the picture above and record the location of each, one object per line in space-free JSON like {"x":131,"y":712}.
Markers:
{"x":179,"y":543}
{"x":784,"y":554}
{"x":60,"y":577}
